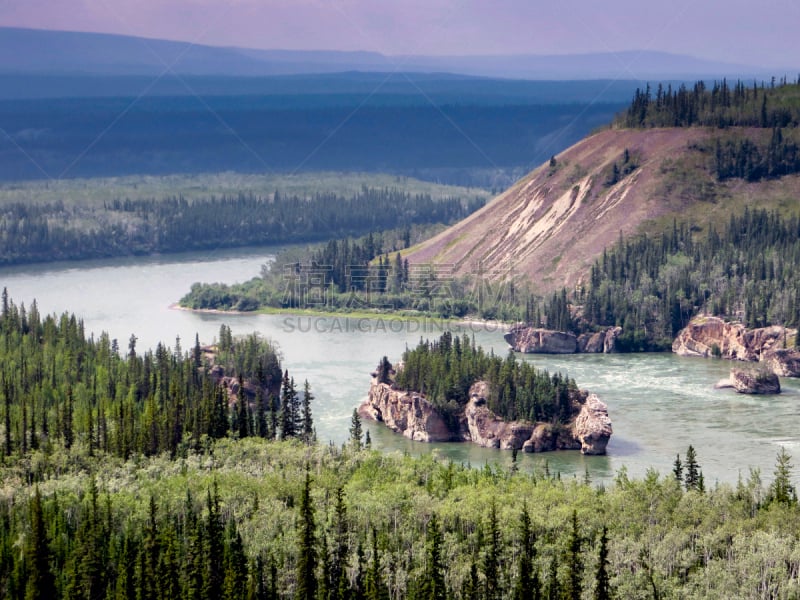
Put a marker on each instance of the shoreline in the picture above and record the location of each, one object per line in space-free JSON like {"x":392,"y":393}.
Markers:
{"x":354,"y":315}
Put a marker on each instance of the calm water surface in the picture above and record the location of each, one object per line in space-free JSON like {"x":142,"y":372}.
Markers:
{"x":659,"y":403}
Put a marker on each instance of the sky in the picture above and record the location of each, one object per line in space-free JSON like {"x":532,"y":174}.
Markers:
{"x":761,"y":34}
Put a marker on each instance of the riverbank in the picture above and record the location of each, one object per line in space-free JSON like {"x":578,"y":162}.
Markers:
{"x":442,"y":323}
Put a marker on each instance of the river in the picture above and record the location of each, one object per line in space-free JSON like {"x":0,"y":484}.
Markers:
{"x":659,"y":403}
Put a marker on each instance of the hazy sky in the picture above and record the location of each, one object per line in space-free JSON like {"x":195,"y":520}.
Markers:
{"x":742,"y":31}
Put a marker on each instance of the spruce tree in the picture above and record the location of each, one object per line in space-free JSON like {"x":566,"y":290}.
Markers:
{"x":553,"y":585}
{"x":384,"y":370}
{"x":306,"y":569}
{"x":781,"y":490}
{"x":242,"y":411}
{"x":326,"y":568}
{"x":307,"y":420}
{"x":87,"y":575}
{"x":360,"y":574}
{"x":339,"y":584}
{"x":150,"y":554}
{"x":677,"y":469}
{"x":433,"y":586}
{"x":218,"y":427}
{"x":7,"y":415}
{"x":288,"y":416}
{"x":355,"y":430}
{"x":235,"y":581}
{"x":194,"y":566}
{"x":215,"y":547}
{"x":125,"y":586}
{"x":471,"y":588}
{"x":168,"y":567}
{"x":574,"y":561}
{"x":262,"y":426}
{"x":40,"y":583}
{"x":692,"y":476}
{"x":492,"y":559}
{"x":375,"y":588}
{"x":602,"y":590}
{"x":527,"y":586}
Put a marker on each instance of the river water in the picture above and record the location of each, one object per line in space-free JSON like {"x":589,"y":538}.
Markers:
{"x":659,"y":403}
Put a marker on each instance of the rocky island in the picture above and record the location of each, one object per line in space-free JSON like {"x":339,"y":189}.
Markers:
{"x":747,"y":381}
{"x":560,"y":417}
{"x":773,"y":347}
{"x":536,"y":340}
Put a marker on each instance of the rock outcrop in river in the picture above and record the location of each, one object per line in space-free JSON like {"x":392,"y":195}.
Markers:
{"x":709,"y":336}
{"x":748,"y":381}
{"x":535,"y":340}
{"x":408,"y":413}
{"x":411,"y":415}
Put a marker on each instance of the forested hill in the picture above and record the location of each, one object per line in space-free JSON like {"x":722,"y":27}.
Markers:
{"x":695,"y":154}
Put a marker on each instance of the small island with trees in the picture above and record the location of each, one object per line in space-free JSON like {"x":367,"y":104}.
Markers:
{"x":452,"y":390}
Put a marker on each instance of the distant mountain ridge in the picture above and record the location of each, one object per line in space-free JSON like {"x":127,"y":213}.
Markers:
{"x":34,"y":51}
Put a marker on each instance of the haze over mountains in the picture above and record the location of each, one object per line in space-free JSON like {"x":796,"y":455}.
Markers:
{"x":89,"y":104}
{"x":75,"y":53}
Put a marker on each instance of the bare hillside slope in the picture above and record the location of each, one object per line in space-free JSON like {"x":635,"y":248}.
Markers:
{"x":552,"y":224}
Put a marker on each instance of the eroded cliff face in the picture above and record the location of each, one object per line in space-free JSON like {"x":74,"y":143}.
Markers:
{"x":534,"y":340}
{"x":592,"y":427}
{"x":411,"y":415}
{"x":709,"y":336}
{"x":407,"y":413}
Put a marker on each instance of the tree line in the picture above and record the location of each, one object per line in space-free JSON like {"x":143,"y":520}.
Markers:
{"x":743,"y":157}
{"x":722,"y":105}
{"x":650,"y":285}
{"x":367,"y":273}
{"x":47,"y":231}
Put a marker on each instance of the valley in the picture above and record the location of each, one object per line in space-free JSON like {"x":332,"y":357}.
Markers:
{"x":352,"y":323}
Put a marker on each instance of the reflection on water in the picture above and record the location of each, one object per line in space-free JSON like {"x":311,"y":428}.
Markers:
{"x":659,"y":403}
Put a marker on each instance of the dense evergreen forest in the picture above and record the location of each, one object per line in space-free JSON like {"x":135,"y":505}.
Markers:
{"x":135,"y":475}
{"x":651,"y":286}
{"x":46,"y":231}
{"x":61,"y":390}
{"x":445,"y":369}
{"x":257,"y":519}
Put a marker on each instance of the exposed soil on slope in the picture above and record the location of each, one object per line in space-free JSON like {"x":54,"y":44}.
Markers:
{"x":553,"y":223}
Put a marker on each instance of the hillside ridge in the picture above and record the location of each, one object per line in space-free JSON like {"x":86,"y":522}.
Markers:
{"x":550,"y":226}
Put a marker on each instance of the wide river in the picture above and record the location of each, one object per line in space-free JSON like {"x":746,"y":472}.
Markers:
{"x":659,"y":403}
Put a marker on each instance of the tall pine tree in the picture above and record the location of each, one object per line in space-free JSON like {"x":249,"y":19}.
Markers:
{"x":306,"y":570}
